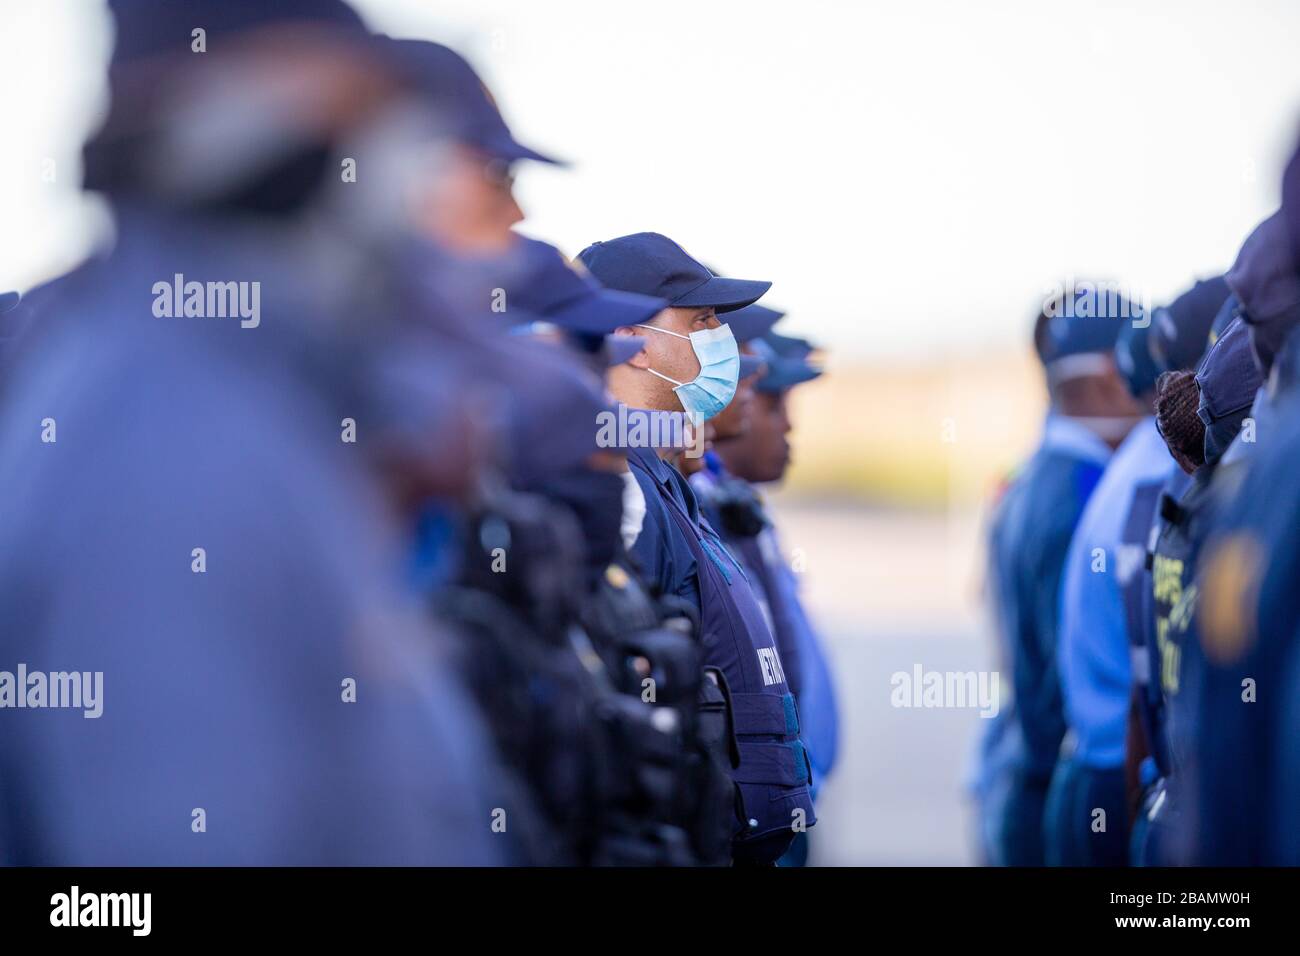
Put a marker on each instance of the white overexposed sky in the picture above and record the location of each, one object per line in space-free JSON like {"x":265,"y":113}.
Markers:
{"x":911,"y":175}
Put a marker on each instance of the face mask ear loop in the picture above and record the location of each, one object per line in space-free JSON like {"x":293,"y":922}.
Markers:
{"x":666,"y":378}
{"x":664,"y":331}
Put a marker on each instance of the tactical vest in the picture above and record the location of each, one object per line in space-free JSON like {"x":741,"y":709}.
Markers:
{"x":737,"y":513}
{"x":1183,"y":524}
{"x":773,"y":776}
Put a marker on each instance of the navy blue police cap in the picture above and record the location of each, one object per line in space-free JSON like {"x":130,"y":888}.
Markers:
{"x":651,"y":264}
{"x":789,"y":362}
{"x":1181,"y":330}
{"x":752,"y":321}
{"x":550,"y":288}
{"x":789,"y":346}
{"x":1228,"y":378}
{"x":1265,"y":280}
{"x":1082,"y":321}
{"x":1133,"y":358}
{"x":1264,"y":277}
{"x":451,"y":86}
{"x":149,"y":28}
{"x":1230,"y":309}
{"x":552,"y":413}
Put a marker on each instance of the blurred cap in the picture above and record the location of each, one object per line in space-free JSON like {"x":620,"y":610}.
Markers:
{"x":1134,"y":360}
{"x":1078,"y":331}
{"x":752,"y":321}
{"x":1230,"y":309}
{"x":622,"y":348}
{"x":1264,"y":276}
{"x":149,"y":28}
{"x":1228,"y":378}
{"x":8,"y":300}
{"x":550,"y":288}
{"x":451,"y":86}
{"x":1180,"y":331}
{"x":789,"y":362}
{"x":789,"y":346}
{"x":555,"y":410}
{"x":652,"y":264}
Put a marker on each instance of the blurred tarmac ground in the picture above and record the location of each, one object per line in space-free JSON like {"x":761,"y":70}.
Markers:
{"x":888,"y":590}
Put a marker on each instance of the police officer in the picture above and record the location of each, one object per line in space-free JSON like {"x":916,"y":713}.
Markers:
{"x":644,"y":641}
{"x":691,"y":365}
{"x":234,"y":576}
{"x":1087,"y":811}
{"x":1029,"y":535}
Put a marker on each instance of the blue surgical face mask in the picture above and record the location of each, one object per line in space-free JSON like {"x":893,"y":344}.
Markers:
{"x":713,"y":389}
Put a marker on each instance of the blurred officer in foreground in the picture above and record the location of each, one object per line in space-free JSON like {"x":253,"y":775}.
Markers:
{"x":1242,"y":775}
{"x":1030,"y":533}
{"x":465,"y":202}
{"x":691,"y":364}
{"x":1086,"y":815}
{"x":759,"y":453}
{"x":270,"y":694}
{"x":1174,"y":335}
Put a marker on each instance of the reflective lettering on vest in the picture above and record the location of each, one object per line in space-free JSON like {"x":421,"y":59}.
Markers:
{"x":769,"y":664}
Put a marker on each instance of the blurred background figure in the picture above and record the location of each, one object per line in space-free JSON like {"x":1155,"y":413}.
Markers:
{"x":1028,"y":539}
{"x":1086,"y":820}
{"x":271,"y":694}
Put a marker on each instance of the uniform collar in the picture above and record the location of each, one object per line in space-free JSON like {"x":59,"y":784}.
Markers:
{"x":667,"y":477}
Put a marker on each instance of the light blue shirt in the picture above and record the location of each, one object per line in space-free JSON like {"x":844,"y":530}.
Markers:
{"x":1093,"y":647}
